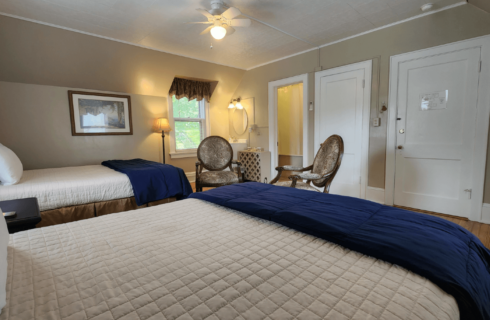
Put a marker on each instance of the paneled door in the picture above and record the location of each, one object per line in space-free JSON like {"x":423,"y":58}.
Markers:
{"x":342,"y":107}
{"x":437,"y":99}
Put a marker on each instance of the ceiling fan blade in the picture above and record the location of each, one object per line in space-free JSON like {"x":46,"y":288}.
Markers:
{"x":229,"y":30}
{"x":206,"y":30}
{"x":205,"y":13}
{"x":207,"y":22}
{"x":231,"y":13}
{"x":241,"y":22}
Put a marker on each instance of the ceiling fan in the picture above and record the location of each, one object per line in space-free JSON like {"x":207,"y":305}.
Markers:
{"x":222,"y":20}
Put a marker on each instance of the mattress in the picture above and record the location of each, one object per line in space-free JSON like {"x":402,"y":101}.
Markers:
{"x":62,"y":187}
{"x":195,"y":260}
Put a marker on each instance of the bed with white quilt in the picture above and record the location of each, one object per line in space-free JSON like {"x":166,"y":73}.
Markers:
{"x":198,"y":260}
{"x":63,"y":187}
{"x":75,"y":193}
{"x":248,"y":251}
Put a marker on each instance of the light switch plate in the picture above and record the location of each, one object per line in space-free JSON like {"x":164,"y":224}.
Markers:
{"x":376,"y":122}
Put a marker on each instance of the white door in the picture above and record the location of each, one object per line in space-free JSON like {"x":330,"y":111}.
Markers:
{"x":342,"y":108}
{"x":435,"y":131}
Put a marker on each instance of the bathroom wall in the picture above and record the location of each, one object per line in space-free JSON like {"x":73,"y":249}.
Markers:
{"x":290,"y":120}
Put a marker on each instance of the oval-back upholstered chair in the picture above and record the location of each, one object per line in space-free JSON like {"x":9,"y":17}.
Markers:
{"x":215,"y":154}
{"x":323,"y":170}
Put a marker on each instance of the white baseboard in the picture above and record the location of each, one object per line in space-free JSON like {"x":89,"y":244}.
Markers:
{"x":291,"y":155}
{"x":376,"y":194}
{"x":485,"y":213}
{"x":191,"y":176}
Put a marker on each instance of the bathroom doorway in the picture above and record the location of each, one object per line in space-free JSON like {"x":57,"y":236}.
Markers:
{"x":288,"y":123}
{"x":290,"y":127}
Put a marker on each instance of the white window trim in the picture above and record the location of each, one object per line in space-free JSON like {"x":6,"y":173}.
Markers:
{"x":188,"y":153}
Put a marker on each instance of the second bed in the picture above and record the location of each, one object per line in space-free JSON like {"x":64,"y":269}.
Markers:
{"x":75,"y":193}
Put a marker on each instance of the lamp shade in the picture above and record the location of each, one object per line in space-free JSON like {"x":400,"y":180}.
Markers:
{"x":161,"y":124}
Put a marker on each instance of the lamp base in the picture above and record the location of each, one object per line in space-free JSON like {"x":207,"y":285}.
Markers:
{"x":163,"y":146}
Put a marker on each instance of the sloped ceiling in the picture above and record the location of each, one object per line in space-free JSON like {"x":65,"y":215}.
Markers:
{"x":159,"y":24}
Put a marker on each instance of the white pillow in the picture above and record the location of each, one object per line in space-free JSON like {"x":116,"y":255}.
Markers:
{"x":4,"y":241}
{"x":10,"y":167}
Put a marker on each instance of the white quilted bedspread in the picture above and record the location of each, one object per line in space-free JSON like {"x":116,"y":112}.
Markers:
{"x":62,"y":187}
{"x":195,"y":260}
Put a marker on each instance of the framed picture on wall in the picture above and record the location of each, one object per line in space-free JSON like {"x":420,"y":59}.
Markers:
{"x":98,"y":114}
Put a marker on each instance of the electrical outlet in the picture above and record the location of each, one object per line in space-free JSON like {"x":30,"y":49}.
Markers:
{"x":376,"y":122}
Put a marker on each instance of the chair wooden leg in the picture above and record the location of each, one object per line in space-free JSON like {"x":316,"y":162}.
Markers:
{"x":327,"y":188}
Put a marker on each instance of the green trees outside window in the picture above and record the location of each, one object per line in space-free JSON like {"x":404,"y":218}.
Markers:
{"x":189,"y":121}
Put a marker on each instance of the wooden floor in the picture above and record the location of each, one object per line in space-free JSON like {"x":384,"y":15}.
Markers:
{"x":481,"y":230}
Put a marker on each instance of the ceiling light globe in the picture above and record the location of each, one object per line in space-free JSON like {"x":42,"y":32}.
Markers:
{"x":218,"y":32}
{"x":239,"y":105}
{"x":231,"y":106}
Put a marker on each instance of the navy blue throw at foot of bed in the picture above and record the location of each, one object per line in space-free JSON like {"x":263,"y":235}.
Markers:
{"x":152,"y":181}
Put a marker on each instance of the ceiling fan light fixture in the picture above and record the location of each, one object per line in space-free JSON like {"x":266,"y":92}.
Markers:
{"x":218,"y":32}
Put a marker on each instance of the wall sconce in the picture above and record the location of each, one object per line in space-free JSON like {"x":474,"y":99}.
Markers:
{"x":235,"y":103}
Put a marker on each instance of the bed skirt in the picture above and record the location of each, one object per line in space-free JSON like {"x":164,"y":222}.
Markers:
{"x":90,"y":210}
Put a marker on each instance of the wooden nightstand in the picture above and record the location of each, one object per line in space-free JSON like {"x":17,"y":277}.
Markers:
{"x":27,"y":214}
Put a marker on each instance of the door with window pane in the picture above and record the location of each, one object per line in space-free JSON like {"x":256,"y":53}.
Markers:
{"x":189,"y":122}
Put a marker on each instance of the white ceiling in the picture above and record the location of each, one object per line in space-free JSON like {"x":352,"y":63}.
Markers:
{"x":159,"y":24}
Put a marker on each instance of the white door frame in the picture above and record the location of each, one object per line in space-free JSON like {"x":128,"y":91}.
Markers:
{"x":366,"y":113}
{"x":482,"y":121}
{"x":273,"y":86}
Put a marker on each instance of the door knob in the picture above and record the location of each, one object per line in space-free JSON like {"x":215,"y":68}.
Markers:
{"x":400,"y":147}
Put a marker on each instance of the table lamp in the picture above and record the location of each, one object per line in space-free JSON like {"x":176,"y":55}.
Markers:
{"x":162,"y":125}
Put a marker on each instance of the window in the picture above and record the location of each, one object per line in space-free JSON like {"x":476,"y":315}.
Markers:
{"x":190,"y":126}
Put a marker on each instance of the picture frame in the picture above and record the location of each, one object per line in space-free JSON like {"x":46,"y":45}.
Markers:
{"x":100,"y":114}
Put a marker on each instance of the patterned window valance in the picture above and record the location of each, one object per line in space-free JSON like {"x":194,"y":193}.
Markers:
{"x":190,"y":89}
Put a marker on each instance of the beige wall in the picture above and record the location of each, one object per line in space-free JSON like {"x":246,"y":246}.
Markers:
{"x":48,"y":61}
{"x":60,"y":60}
{"x":444,"y":27}
{"x":482,"y":4}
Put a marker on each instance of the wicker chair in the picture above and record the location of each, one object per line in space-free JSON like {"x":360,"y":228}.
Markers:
{"x":323,"y":170}
{"x":215,"y":154}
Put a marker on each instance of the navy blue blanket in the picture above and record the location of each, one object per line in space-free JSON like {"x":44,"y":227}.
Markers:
{"x":437,"y":249}
{"x":152,"y":181}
